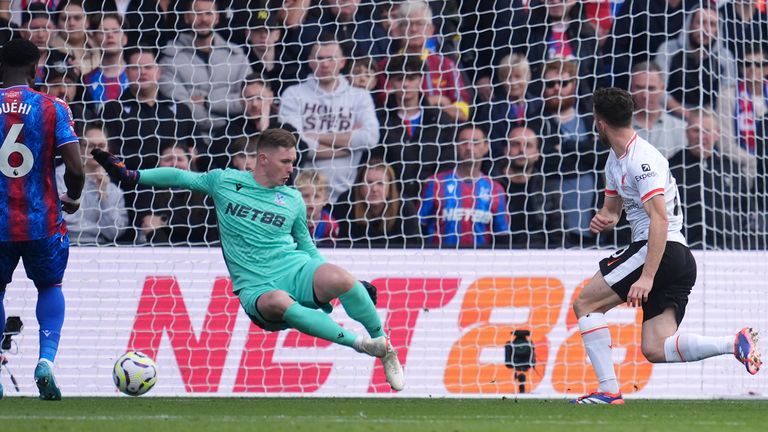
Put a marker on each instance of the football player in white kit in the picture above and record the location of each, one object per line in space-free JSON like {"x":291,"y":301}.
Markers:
{"x":656,"y":271}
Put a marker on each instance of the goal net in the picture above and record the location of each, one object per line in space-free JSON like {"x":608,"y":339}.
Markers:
{"x":447,"y":151}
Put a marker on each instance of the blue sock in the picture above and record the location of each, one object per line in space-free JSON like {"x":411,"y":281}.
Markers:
{"x":2,"y":314}
{"x":50,"y":316}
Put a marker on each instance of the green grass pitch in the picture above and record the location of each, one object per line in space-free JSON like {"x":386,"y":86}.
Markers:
{"x":399,"y":415}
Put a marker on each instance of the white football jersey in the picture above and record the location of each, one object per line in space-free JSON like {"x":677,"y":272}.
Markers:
{"x":637,"y":176}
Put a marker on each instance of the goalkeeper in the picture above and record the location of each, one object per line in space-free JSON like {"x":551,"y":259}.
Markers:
{"x":276,"y":270}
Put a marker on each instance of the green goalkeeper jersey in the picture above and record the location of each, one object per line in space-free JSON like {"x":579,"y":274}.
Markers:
{"x":263,"y":231}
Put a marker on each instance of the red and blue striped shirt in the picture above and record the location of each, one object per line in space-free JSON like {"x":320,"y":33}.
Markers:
{"x":325,"y":229}
{"x":32,"y":126}
{"x":465,"y":212}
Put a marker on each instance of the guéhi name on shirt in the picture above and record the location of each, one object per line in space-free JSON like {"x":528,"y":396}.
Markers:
{"x":15,"y":108}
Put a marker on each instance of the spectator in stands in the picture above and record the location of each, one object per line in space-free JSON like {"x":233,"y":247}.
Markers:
{"x":599,"y":14}
{"x":260,"y":114}
{"x":8,"y":29}
{"x":294,"y":46}
{"x":463,"y":206}
{"x":315,"y":189}
{"x":487,"y":37}
{"x":510,"y":106}
{"x":743,"y":23}
{"x":354,"y":27}
{"x":555,"y":30}
{"x":238,"y":152}
{"x":639,"y":29}
{"x":37,"y":27}
{"x":568,"y":149}
{"x":373,"y":214}
{"x":204,"y":71}
{"x":152,"y":24}
{"x":108,"y":80}
{"x":534,"y":214}
{"x":697,"y":64}
{"x":102,"y":217}
{"x":177,"y":217}
{"x":743,"y":112}
{"x":417,"y":140}
{"x":388,"y":15}
{"x":263,"y":35}
{"x":336,"y":120}
{"x":443,"y":85}
{"x":64,"y":83}
{"x":710,"y":190}
{"x":72,"y":36}
{"x":363,"y":74}
{"x":651,"y":120}
{"x":144,"y":119}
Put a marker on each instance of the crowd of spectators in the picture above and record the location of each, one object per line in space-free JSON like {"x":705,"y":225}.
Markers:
{"x":419,"y":123}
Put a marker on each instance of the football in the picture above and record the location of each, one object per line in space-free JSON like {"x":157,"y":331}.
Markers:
{"x":134,"y":373}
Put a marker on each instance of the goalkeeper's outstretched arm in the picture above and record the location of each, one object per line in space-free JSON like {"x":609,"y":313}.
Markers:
{"x":157,"y":177}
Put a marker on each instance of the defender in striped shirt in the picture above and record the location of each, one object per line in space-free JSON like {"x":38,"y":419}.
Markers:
{"x":34,"y":127}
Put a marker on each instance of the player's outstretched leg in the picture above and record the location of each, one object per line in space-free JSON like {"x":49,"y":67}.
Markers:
{"x":50,"y":316}
{"x":330,"y":282}
{"x":596,"y":299}
{"x":662,"y":344}
{"x":686,"y":347}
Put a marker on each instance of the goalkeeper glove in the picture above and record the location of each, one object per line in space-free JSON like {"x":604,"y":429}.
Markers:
{"x":116,"y":169}
{"x":372,"y":291}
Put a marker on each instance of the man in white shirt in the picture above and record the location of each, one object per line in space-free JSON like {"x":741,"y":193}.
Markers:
{"x":651,"y":121}
{"x":656,"y":271}
{"x":336,"y":120}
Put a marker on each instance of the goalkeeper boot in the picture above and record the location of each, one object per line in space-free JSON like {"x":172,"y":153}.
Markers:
{"x":381,"y":348}
{"x":745,"y":350}
{"x":46,"y":382}
{"x":600,"y":398}
{"x":393,"y":370}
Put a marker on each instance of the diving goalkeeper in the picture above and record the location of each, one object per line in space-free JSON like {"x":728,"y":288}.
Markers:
{"x":278,"y":274}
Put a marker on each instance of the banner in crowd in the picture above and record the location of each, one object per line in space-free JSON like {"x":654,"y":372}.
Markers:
{"x":450,"y":314}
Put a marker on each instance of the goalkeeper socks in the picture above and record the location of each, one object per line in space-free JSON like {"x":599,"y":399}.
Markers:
{"x":316,"y":323}
{"x":684,"y":347}
{"x":597,"y":341}
{"x":359,"y":306}
{"x":50,"y":316}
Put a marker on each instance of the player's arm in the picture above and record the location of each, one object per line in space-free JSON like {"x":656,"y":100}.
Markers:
{"x":74,"y":177}
{"x":608,"y":216}
{"x":157,"y":177}
{"x":300,"y":233}
{"x":656,"y":208}
{"x":650,"y":174}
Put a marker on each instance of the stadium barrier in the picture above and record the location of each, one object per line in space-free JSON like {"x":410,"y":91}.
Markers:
{"x":449,"y":313}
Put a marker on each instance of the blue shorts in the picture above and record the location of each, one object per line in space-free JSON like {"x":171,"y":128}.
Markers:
{"x":44,"y":260}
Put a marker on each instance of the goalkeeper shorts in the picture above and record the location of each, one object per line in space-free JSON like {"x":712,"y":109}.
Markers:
{"x":298,"y":284}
